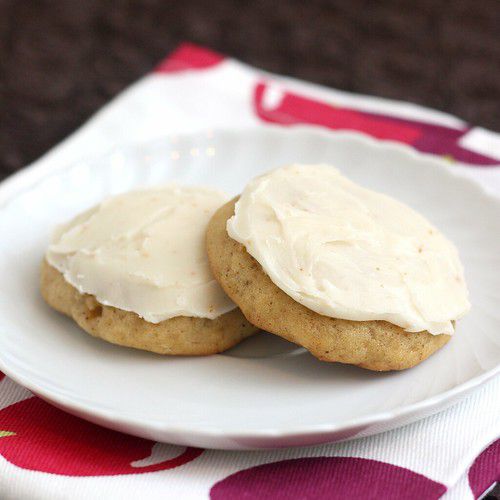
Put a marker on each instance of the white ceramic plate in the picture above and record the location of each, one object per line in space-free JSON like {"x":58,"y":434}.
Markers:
{"x":265,"y":392}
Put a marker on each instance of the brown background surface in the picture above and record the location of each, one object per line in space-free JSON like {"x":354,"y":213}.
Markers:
{"x":61,"y":60}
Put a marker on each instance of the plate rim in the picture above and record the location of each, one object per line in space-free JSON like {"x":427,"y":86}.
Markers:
{"x":19,"y":182}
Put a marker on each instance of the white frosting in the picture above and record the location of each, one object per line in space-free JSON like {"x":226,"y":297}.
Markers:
{"x":347,"y":252}
{"x":144,"y":251}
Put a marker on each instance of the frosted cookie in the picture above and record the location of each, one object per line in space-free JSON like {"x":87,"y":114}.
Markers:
{"x":134,"y":271}
{"x":350,"y":274}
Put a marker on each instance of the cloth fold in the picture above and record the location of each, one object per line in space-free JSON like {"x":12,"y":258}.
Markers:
{"x":47,"y":454}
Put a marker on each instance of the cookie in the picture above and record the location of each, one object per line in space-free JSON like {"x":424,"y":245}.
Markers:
{"x":181,"y":335}
{"x":374,"y":345}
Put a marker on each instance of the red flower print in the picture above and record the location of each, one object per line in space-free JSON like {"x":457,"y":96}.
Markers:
{"x":322,"y":478}
{"x":37,"y":436}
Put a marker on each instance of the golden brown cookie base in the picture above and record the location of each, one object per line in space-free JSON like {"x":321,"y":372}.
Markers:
{"x":375,"y":345}
{"x":178,"y":336}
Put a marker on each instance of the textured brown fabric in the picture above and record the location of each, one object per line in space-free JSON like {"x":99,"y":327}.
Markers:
{"x":61,"y":60}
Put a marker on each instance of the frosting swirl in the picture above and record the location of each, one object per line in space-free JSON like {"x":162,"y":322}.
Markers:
{"x":144,"y":251}
{"x":348,"y":252}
